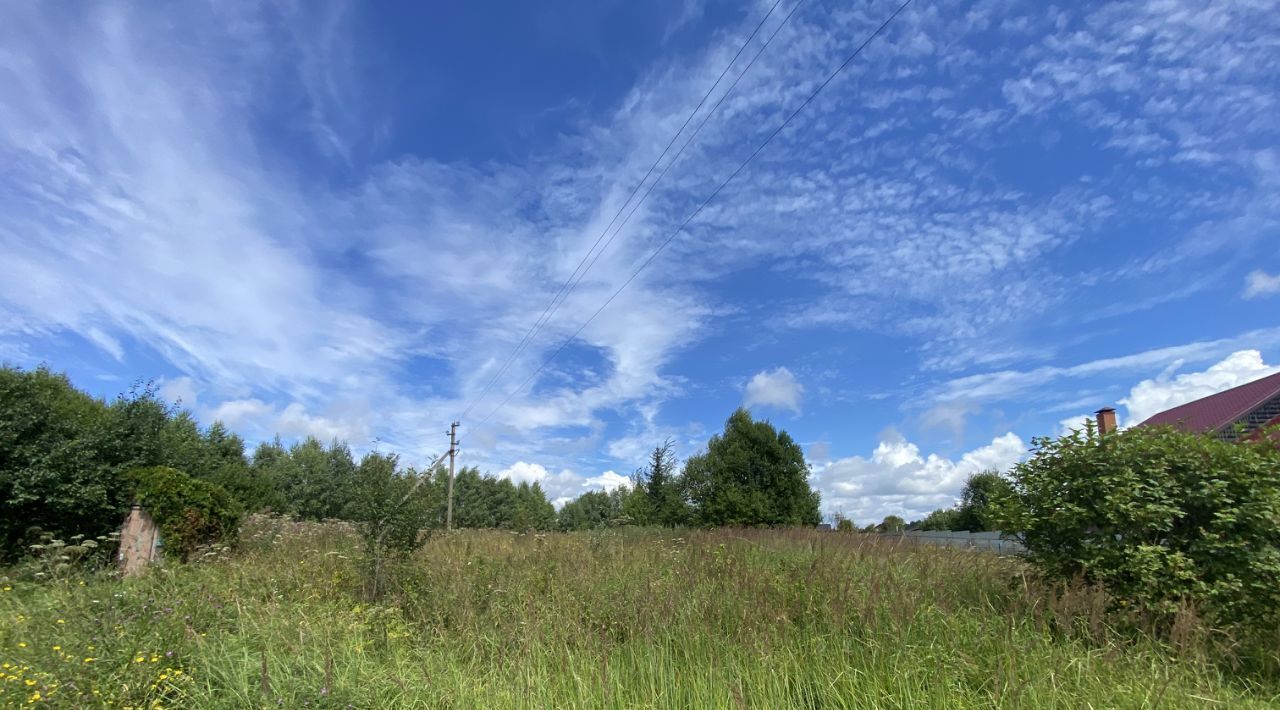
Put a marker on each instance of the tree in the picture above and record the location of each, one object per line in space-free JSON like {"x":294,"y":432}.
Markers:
{"x":1158,"y":516}
{"x":751,"y":474}
{"x":391,"y":508}
{"x":313,"y":484}
{"x":891,"y":523}
{"x":54,"y":475}
{"x":663,"y":489}
{"x":636,"y":505}
{"x":532,"y":511}
{"x":978,"y":501}
{"x":590,"y":511}
{"x":941,"y":519}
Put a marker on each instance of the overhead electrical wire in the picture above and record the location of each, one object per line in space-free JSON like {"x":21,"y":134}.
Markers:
{"x":781,"y":126}
{"x":689,"y":140}
{"x":570,"y":284}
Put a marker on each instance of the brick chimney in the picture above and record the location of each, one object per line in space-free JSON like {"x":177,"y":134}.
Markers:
{"x":1106,"y":420}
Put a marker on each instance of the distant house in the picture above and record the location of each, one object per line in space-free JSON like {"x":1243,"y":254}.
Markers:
{"x":1238,"y":413}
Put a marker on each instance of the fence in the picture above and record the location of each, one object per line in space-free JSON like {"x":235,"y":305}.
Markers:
{"x":994,"y":541}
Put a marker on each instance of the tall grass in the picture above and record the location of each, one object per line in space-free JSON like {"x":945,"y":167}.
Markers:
{"x":626,"y":618}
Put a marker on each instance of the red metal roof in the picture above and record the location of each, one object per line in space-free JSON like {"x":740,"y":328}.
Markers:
{"x":1219,"y":410}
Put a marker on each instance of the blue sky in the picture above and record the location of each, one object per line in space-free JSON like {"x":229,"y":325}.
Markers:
{"x":340,"y":218}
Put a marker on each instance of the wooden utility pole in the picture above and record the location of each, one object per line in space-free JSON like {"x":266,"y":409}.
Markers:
{"x":453,"y":455}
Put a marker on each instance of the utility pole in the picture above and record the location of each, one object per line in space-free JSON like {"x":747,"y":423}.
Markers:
{"x":453,"y":455}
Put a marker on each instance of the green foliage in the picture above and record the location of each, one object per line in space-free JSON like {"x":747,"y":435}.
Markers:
{"x":484,"y":501}
{"x":190,"y":512}
{"x":64,"y":454}
{"x":55,"y":475}
{"x":979,"y":501}
{"x":1159,"y":517}
{"x":53,"y":559}
{"x":751,"y":474}
{"x":312,"y":479}
{"x":941,"y":519}
{"x":626,"y":619}
{"x":845,"y":525}
{"x":593,"y":510}
{"x":891,"y":523}
{"x":532,"y":509}
{"x":390,"y":506}
{"x":663,"y":490}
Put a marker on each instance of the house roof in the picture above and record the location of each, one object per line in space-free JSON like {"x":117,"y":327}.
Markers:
{"x":1221,"y":409}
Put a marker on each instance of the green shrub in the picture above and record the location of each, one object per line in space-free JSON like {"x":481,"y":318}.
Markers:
{"x":844,"y":525}
{"x":1159,"y":517}
{"x":189,"y":512}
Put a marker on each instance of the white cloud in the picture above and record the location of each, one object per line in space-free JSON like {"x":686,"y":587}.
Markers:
{"x":1153,"y":396}
{"x":564,"y":486}
{"x":1023,"y":384}
{"x":609,"y":480}
{"x":521,"y":472}
{"x":897,"y":479}
{"x":146,"y":212}
{"x":774,"y":388}
{"x":258,"y":421}
{"x":1076,"y":423}
{"x":1260,"y":283}
{"x":180,"y":390}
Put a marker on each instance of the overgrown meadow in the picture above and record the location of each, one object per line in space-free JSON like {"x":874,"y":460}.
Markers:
{"x":615,"y":618}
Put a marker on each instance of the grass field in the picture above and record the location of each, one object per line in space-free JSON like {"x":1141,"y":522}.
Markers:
{"x":629,"y":618}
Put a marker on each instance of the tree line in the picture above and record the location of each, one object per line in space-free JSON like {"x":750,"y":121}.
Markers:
{"x":66,"y":460}
{"x":750,"y":474}
{"x":977,"y":510}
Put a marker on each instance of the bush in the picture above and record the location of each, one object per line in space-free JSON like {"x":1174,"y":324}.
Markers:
{"x":189,"y":512}
{"x":55,"y":472}
{"x":1159,"y":517}
{"x":845,"y":525}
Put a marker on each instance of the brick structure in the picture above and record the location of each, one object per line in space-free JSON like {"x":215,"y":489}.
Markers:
{"x":139,"y":541}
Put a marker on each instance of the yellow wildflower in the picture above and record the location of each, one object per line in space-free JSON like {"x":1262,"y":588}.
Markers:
{"x":22,"y":644}
{"x":29,"y":682}
{"x":62,"y":621}
{"x":57,"y":648}
{"x":7,"y":588}
{"x":155,"y":658}
{"x":140,"y":659}
{"x":89,"y":660}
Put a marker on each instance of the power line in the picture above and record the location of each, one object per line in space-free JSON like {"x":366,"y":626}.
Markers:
{"x":687,"y":141}
{"x":787,"y":121}
{"x":570,"y":284}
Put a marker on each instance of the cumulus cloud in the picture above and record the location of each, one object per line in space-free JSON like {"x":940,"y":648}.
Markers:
{"x":522,"y":472}
{"x":136,"y":158}
{"x":774,"y":388}
{"x":609,"y":480}
{"x":1259,"y":283}
{"x":898,"y":479}
{"x":1153,"y":396}
{"x":564,"y":486}
{"x":1075,"y":423}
